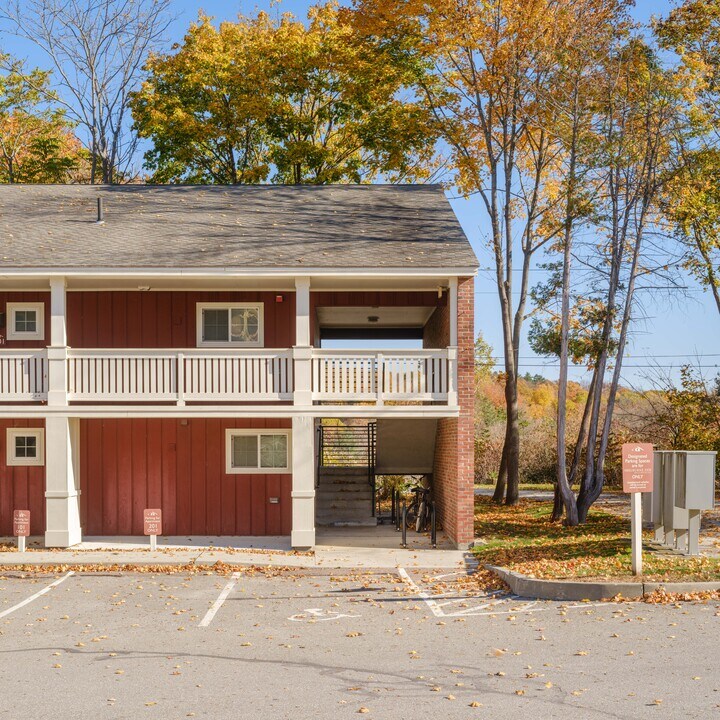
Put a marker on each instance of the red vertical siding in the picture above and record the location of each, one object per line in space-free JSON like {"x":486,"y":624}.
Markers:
{"x":7,"y":297}
{"x":179,"y":466}
{"x":135,"y":319}
{"x":21,"y":488}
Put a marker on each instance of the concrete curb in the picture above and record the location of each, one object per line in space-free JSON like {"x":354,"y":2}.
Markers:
{"x":540,"y":589}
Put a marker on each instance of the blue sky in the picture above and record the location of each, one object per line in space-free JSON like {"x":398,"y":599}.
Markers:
{"x":676,"y":329}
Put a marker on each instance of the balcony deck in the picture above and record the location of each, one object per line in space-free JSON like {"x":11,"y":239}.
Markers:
{"x":209,"y":377}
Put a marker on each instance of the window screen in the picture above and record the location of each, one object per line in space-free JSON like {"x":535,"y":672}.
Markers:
{"x":273,"y":451}
{"x":245,"y":451}
{"x":245,"y":325}
{"x":215,"y":325}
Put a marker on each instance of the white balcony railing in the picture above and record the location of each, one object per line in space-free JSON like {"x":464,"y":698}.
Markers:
{"x":209,"y":375}
{"x":23,"y":375}
{"x":179,"y":375}
{"x":367,"y":375}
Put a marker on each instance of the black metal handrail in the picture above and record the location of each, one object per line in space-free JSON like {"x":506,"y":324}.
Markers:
{"x":349,"y":446}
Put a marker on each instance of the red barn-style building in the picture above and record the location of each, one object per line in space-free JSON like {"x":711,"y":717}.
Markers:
{"x":186,"y":348}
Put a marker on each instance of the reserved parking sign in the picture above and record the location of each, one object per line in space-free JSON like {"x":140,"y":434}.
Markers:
{"x":637,"y":467}
{"x":152,"y":520}
{"x":21,"y":523}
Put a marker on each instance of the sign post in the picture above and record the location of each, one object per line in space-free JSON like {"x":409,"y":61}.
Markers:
{"x":21,"y":527}
{"x":152,"y":521}
{"x":637,"y":473}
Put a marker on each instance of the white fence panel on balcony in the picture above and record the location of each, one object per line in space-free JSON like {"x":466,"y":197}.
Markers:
{"x":122,"y":375}
{"x":415,"y":377}
{"x":23,"y":375}
{"x":357,"y":375}
{"x":344,"y":376}
{"x":179,"y":375}
{"x":245,"y":376}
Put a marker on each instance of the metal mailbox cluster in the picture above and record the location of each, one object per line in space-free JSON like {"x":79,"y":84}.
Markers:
{"x":684,"y":486}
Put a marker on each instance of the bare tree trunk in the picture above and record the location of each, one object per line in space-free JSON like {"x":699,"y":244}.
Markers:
{"x":512,"y":494}
{"x":595,"y":487}
{"x":558,"y":506}
{"x":582,"y":433}
{"x":501,"y":484}
{"x":563,"y":489}
{"x":712,"y":279}
{"x":511,"y":450}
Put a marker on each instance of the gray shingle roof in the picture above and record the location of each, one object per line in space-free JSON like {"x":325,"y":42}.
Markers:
{"x":175,"y":226}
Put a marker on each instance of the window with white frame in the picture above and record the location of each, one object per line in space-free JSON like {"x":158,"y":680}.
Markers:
{"x":25,"y":446}
{"x":25,"y":321}
{"x":222,"y":324}
{"x":257,"y":451}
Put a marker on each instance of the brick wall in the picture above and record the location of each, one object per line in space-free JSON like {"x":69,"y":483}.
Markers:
{"x":454,"y":443}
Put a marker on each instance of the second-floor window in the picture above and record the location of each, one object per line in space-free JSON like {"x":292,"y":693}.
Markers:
{"x":230,"y":324}
{"x":25,"y":321}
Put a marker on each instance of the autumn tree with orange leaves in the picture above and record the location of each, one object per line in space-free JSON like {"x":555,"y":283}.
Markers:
{"x":37,"y":143}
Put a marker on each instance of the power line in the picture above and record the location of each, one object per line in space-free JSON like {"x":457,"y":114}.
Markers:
{"x":632,"y":357}
{"x":581,"y":365}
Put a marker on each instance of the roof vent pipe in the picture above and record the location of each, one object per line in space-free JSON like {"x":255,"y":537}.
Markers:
{"x":100,"y":211}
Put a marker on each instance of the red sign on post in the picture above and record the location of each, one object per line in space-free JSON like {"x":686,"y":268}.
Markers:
{"x":21,"y":523}
{"x":637,"y":467}
{"x":152,"y":520}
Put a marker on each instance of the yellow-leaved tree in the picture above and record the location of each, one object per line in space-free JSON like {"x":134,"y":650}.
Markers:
{"x":282,"y":100}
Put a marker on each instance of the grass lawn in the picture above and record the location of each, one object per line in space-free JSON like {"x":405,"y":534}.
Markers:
{"x":547,"y":487}
{"x":523,"y":539}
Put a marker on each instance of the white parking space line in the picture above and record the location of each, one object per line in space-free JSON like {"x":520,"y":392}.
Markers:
{"x":439,"y":603}
{"x":38,"y":594}
{"x":313,"y":615}
{"x":437,"y":611}
{"x":219,"y":602}
{"x":437,"y":607}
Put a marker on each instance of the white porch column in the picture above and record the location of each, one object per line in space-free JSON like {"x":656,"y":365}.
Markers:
{"x":453,"y":342}
{"x":302,"y":351}
{"x":303,"y":482}
{"x":62,"y":482}
{"x":57,"y":350}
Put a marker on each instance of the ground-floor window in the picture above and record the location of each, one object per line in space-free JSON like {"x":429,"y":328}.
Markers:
{"x":25,"y":446}
{"x":266,"y":451}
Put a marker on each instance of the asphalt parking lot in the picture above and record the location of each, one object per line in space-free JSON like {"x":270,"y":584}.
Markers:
{"x":310,"y":644}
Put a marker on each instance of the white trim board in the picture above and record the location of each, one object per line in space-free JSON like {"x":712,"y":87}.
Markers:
{"x":148,"y":272}
{"x":228,"y":411}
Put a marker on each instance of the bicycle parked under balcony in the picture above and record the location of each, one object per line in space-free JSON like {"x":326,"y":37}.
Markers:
{"x":419,"y":509}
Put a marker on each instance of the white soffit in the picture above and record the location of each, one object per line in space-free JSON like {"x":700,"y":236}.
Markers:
{"x":388,"y":317}
{"x":258,"y":281}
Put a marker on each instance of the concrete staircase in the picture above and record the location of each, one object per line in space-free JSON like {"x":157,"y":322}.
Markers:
{"x":344,"y":497}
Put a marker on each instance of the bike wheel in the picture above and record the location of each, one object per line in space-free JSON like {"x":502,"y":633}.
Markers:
{"x":421,"y":517}
{"x":412,"y":515}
